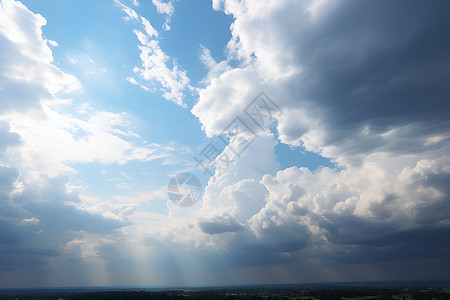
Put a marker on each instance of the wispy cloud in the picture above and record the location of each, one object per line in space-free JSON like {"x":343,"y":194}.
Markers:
{"x":165,"y":8}
{"x":157,"y":66}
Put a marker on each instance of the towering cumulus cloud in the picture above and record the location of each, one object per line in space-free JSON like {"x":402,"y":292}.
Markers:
{"x":363,"y":83}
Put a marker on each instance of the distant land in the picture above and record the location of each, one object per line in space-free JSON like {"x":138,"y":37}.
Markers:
{"x":398,"y":290}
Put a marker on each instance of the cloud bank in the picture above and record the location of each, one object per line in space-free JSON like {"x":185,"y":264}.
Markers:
{"x":355,"y":85}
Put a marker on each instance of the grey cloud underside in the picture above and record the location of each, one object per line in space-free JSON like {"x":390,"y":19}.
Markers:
{"x":7,"y":138}
{"x":376,"y":64}
{"x":220,"y":225}
{"x":39,"y":223}
{"x":370,"y":90}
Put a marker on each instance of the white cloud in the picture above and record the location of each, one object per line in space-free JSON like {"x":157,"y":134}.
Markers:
{"x":235,"y":88}
{"x":33,"y":45}
{"x":328,"y":213}
{"x":131,"y":14}
{"x":26,"y":61}
{"x":155,"y":69}
{"x":57,"y":140}
{"x":149,"y":28}
{"x":145,"y":197}
{"x":338,"y":99}
{"x":50,"y":139}
{"x":132,"y":80}
{"x":385,"y":149}
{"x":214,"y":69}
{"x":294,"y":67}
{"x":53,"y":43}
{"x":165,"y":8}
{"x":156,"y":63}
{"x":7,"y":138}
{"x":40,"y":136}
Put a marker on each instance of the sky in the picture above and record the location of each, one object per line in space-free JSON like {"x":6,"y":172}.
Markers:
{"x":316,"y":135}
